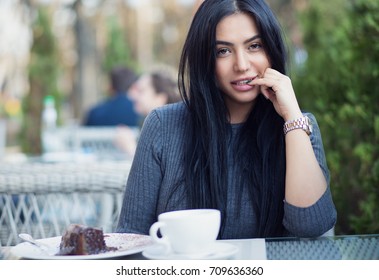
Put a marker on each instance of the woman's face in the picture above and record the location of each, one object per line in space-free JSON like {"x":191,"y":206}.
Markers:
{"x":240,"y":58}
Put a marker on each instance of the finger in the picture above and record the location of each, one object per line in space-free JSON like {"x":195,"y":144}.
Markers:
{"x":261,"y":82}
{"x":267,"y":92}
{"x":264,"y":82}
{"x":271,"y":72}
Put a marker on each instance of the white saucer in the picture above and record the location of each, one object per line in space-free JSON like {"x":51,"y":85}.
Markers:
{"x":218,"y":251}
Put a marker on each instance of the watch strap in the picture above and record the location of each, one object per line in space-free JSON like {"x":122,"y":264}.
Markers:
{"x":303,"y":123}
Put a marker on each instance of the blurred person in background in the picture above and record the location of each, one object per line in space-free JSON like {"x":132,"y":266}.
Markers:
{"x":152,"y":90}
{"x":117,"y":108}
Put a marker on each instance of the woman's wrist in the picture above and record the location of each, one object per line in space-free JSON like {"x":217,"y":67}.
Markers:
{"x":293,"y":116}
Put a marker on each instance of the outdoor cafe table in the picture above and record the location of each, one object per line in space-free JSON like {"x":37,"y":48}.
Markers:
{"x":347,"y":247}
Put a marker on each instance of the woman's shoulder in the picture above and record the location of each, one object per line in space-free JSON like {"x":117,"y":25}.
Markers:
{"x":178,"y":108}
{"x":166,"y":126}
{"x":170,"y":118}
{"x":171,"y":113}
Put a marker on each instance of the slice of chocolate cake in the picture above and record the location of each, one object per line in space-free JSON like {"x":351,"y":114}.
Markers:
{"x":83,"y":240}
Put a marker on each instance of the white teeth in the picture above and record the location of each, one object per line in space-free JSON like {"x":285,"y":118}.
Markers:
{"x":244,"y":82}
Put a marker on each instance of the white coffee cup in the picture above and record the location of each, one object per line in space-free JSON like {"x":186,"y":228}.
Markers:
{"x":190,"y":231}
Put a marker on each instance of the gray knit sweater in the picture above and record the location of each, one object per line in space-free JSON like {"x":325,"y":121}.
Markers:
{"x":158,"y":163}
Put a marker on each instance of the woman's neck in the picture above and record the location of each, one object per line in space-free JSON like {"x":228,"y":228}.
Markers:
{"x":239,"y":112}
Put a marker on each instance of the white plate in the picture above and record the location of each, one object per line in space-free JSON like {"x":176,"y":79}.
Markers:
{"x":218,"y":251}
{"x":126,"y":244}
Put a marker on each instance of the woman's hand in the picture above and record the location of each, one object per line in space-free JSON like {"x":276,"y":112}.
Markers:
{"x":278,"y":89}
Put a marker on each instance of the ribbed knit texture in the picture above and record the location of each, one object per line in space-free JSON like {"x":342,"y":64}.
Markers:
{"x":158,"y":165}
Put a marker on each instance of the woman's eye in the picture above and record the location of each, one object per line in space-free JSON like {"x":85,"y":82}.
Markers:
{"x":255,"y":46}
{"x":222,"y":52}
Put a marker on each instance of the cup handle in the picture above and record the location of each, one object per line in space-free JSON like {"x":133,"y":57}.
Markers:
{"x":160,"y":240}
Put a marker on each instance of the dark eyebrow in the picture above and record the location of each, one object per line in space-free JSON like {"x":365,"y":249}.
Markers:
{"x":245,"y":42}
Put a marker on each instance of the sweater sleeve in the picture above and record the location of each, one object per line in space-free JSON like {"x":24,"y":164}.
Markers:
{"x":320,"y":217}
{"x":140,"y":199}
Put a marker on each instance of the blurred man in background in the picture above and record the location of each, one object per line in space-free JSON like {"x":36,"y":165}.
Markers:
{"x":117,"y":108}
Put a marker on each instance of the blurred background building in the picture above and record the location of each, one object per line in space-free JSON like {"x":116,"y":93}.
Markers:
{"x":75,"y":43}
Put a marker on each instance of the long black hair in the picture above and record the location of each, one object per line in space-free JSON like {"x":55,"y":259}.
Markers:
{"x":260,"y":152}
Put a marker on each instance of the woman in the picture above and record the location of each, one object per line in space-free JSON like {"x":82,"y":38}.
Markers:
{"x":224,"y":147}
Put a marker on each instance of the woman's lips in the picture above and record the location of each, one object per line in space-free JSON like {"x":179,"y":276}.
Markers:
{"x":243,"y":84}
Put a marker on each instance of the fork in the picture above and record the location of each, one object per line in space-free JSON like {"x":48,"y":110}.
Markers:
{"x":44,"y":247}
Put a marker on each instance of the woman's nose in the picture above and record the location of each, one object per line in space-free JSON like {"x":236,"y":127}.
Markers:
{"x":242,"y":63}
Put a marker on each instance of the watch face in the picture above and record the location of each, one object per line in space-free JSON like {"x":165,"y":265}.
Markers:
{"x":308,"y":126}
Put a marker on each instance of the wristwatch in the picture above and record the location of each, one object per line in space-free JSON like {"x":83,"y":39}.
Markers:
{"x":303,"y":123}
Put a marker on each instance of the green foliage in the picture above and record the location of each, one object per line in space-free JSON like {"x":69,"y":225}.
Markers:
{"x":339,"y":83}
{"x":117,"y":51}
{"x":43,"y":75}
